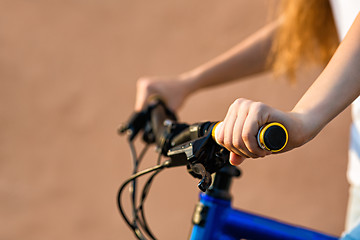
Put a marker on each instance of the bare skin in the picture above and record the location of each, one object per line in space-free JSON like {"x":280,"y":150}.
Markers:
{"x":247,"y":58}
{"x":336,"y":88}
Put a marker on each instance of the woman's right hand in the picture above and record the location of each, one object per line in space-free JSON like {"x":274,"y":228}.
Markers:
{"x":172,"y":90}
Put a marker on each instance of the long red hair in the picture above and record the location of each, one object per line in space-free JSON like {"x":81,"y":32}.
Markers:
{"x":307,"y":32}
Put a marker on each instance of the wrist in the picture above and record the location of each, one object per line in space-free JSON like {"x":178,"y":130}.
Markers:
{"x":191,"y":81}
{"x":309,"y":123}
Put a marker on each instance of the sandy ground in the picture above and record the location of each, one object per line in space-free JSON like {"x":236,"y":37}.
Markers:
{"x":68,"y":71}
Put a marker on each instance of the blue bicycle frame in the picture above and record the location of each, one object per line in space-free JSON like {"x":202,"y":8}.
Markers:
{"x":214,"y":219}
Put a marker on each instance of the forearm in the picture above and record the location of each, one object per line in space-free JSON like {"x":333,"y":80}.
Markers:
{"x":336,"y":87}
{"x":247,"y":58}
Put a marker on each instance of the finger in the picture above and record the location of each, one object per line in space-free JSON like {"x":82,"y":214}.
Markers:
{"x":229,"y":124}
{"x":249,"y":138}
{"x":220,"y":129}
{"x":241,"y":108}
{"x":139,"y":104}
{"x":142,"y":94}
{"x":219,"y":133}
{"x":236,"y":159}
{"x":256,"y":118}
{"x":237,"y":140}
{"x":228,"y":127}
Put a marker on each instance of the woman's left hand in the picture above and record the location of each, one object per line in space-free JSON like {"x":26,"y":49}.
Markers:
{"x":238,"y":132}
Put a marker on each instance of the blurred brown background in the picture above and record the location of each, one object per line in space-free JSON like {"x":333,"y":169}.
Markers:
{"x":68,"y":72}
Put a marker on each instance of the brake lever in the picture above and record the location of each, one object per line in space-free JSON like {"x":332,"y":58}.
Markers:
{"x":134,"y":124}
{"x":203,"y":157}
{"x":143,"y":121}
{"x":206,"y":178}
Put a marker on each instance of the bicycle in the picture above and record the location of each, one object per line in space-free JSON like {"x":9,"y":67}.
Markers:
{"x":193,"y":146}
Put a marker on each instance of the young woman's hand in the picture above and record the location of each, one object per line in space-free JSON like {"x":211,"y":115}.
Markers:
{"x":238,"y":132}
{"x":172,"y":90}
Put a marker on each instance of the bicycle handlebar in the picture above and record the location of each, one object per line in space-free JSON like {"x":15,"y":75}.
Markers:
{"x":193,"y":145}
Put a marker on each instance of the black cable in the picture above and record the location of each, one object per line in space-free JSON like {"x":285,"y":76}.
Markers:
{"x":132,"y":190}
{"x":141,"y":155}
{"x":159,"y":159}
{"x":136,"y":218}
{"x":144,"y":194}
{"x":139,"y":174}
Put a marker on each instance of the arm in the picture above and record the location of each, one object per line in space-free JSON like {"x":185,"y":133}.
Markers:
{"x":336,"y":87}
{"x":247,"y":58}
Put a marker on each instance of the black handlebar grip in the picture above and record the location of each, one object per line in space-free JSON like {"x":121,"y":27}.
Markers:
{"x":273,"y":137}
